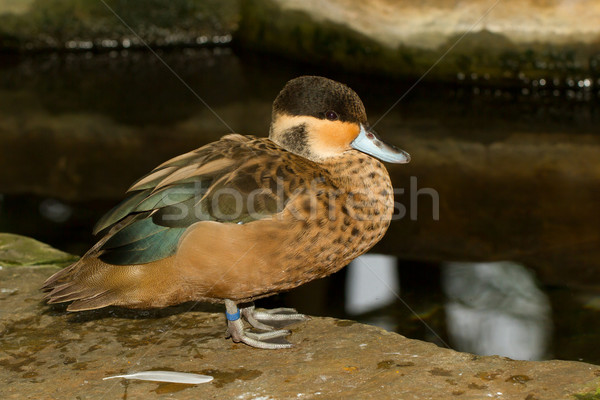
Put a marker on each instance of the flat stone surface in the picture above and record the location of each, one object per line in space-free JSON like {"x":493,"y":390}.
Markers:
{"x":48,"y":353}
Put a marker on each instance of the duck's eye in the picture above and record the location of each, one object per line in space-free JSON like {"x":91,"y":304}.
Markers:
{"x":331,"y":115}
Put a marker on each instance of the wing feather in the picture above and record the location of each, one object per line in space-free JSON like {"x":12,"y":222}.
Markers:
{"x":188,"y":189}
{"x":120,"y":211}
{"x":149,"y":181}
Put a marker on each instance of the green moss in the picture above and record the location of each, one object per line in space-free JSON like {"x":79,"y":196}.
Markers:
{"x":18,"y":250}
{"x":588,"y":396}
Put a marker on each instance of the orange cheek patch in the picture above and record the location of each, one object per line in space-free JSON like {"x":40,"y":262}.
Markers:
{"x":325,"y":138}
{"x":334,"y":135}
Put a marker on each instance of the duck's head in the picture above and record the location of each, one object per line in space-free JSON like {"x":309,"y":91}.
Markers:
{"x":319,"y":118}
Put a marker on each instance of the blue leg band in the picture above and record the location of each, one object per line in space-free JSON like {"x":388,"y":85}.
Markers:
{"x":233,"y":317}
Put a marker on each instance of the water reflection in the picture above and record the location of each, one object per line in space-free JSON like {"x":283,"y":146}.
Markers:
{"x":491,"y":308}
{"x":372,"y":282}
{"x":55,"y":210}
{"x":496,"y":308}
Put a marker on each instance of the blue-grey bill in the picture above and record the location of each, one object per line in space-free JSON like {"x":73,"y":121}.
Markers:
{"x":368,"y":142}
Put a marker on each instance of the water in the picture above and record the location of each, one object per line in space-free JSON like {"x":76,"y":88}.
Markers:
{"x":497,"y":250}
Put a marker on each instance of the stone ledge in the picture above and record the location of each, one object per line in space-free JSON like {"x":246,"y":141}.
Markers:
{"x":48,"y":353}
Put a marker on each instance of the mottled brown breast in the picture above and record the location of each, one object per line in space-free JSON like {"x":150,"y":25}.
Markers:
{"x":347,"y":211}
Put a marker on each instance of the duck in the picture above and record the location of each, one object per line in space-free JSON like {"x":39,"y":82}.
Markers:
{"x":245,"y":217}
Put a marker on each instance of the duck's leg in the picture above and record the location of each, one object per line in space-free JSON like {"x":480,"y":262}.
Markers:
{"x":271,"y":319}
{"x":273,"y":339}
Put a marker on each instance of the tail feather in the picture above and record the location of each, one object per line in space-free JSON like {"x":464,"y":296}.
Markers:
{"x":59,"y":279}
{"x":99,"y":300}
{"x":92,"y":283}
{"x":76,"y":283}
{"x":69,"y":274}
{"x":69,"y":294}
{"x":52,"y":290}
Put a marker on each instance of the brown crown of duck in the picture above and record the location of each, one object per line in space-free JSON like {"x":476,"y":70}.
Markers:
{"x":244,"y":217}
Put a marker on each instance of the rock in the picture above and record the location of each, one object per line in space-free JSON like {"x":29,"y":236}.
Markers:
{"x":48,"y":353}
{"x":428,"y":25}
{"x":18,"y":250}
{"x":489,"y":41}
{"x":473,"y":40}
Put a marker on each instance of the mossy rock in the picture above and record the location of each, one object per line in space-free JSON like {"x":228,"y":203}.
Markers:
{"x":50,"y":24}
{"x":16,"y":250}
{"x":589,"y":396}
{"x":266,"y":26}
